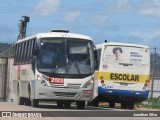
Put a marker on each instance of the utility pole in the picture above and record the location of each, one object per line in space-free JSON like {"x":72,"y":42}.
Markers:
{"x":153,"y":72}
{"x":22,"y":27}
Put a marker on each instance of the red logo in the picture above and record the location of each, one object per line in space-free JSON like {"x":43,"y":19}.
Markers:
{"x":105,"y":66}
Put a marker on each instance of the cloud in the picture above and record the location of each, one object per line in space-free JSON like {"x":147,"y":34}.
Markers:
{"x":122,"y":5}
{"x":71,"y":16}
{"x":147,"y":36}
{"x":151,"y":8}
{"x":46,"y":7}
{"x":99,"y":20}
{"x":157,"y":2}
{"x":155,"y":12}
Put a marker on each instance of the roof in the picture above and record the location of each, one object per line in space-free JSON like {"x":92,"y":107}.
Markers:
{"x":120,"y":44}
{"x":57,"y":34}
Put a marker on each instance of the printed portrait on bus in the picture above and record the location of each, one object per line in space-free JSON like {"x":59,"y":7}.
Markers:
{"x":117,"y":51}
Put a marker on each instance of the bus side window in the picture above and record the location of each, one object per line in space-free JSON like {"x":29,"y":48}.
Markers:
{"x":26,"y":52}
{"x":19,"y":53}
{"x":23,"y":55}
{"x":31,"y":48}
{"x":97,"y":58}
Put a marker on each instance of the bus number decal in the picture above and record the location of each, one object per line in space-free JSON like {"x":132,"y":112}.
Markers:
{"x":56,"y":80}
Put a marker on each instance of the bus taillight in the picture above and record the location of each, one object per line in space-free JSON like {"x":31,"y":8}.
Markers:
{"x":102,"y":79}
{"x":146,"y":83}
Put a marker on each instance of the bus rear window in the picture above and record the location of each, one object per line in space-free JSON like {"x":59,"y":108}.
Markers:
{"x":125,"y":54}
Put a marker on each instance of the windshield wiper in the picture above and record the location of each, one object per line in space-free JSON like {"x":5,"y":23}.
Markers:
{"x":77,"y":67}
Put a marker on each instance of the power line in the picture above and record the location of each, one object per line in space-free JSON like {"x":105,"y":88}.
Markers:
{"x":79,"y":27}
{"x":81,"y":7}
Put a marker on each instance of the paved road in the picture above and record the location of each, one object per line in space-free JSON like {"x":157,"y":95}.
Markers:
{"x":60,"y":114}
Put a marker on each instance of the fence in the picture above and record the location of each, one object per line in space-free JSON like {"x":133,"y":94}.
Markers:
{"x":5,"y":78}
{"x":156,"y":87}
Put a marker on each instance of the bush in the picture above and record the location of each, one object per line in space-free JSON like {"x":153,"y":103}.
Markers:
{"x":151,"y":103}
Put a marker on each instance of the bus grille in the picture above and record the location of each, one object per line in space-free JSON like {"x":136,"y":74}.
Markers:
{"x":65,"y":94}
{"x":74,"y":86}
{"x":69,"y":85}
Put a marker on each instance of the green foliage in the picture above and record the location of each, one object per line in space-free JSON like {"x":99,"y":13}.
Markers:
{"x":157,"y":64}
{"x":150,"y":103}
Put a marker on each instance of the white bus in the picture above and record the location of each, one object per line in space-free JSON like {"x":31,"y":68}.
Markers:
{"x":122,"y":74}
{"x":54,"y":66}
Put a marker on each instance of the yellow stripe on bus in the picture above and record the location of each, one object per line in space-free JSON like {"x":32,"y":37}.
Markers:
{"x":121,"y":77}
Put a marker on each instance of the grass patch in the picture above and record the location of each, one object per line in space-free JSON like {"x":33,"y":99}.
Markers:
{"x":150,"y":103}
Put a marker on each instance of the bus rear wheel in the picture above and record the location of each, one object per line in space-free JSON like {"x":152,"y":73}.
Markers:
{"x":127,"y":105}
{"x":21,"y":101}
{"x":34,"y":103}
{"x":80,"y":104}
{"x":124,"y":105}
{"x":111,"y":104}
{"x":60,"y":104}
{"x":95,"y":102}
{"x":67,"y":104}
{"x":131,"y":105}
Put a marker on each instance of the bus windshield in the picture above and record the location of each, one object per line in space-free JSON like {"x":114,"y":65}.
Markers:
{"x":67,"y":56}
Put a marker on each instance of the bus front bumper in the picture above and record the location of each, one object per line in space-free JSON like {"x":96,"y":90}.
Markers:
{"x":64,"y":94}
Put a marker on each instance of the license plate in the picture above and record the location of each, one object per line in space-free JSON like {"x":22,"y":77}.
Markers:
{"x":125,"y":84}
{"x":56,"y":80}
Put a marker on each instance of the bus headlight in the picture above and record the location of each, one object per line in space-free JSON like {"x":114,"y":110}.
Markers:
{"x":42,"y":80}
{"x":39,"y":77}
{"x":88,"y":83}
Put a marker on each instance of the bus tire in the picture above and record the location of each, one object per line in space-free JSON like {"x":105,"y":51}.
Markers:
{"x":67,"y":104}
{"x":34,"y":103}
{"x":124,"y":105}
{"x":27,"y":102}
{"x":130,"y":105}
{"x":80,"y":104}
{"x":59,"y":103}
{"x":28,"y":99}
{"x":21,"y":101}
{"x":95,"y":102}
{"x":89,"y":103}
{"x":111,"y":104}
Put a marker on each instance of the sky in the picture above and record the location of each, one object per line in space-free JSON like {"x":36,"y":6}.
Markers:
{"x":126,"y":21}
